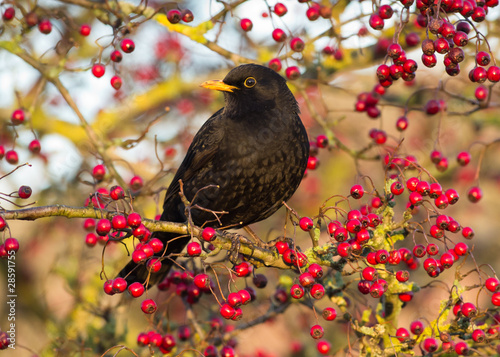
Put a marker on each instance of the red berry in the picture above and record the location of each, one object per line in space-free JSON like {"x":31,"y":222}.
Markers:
{"x":280,"y":9}
{"x":297,"y":291}
{"x":17,"y":116}
{"x":136,"y":289}
{"x":430,"y":344}
{"x":187,"y":15}
{"x":468,"y":233}
{"x":376,"y":22}
{"x":136,"y":183}
{"x":148,"y":306}
{"x":292,"y":72}
{"x":475,"y":194}
{"x":227,"y":311}
{"x":246,"y":24}
{"x":108,"y":287}
{"x":11,"y":245}
{"x":297,"y":45}
{"x":103,"y":227}
{"x":243,"y":269}
{"x":85,"y":30}
{"x":279,"y":35}
{"x":329,"y":313}
{"x":493,"y":74}
{"x":316,"y":270}
{"x":34,"y":147}
{"x":357,"y":191}
{"x":9,"y":14}
{"x":174,"y":16}
{"x":194,"y":249}
{"x":45,"y":26}
{"x":98,"y":70}
{"x":385,"y":11}
{"x":312,"y":13}
{"x":306,"y":279}
{"x":116,"y":56}
{"x":492,"y":284}
{"x":119,"y":285}
{"x":275,"y":64}
{"x":24,"y":192}
{"x":416,"y":327}
{"x":317,"y":332}
{"x":402,"y":334}
{"x":306,"y":224}
{"x":323,"y":347}
{"x":127,"y":45}
{"x":317,"y":291}
{"x":119,"y":222}
{"x":116,"y":82}
{"x":463,"y":158}
{"x":208,"y":234}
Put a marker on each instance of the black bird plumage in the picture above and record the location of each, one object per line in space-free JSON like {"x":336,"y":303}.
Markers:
{"x":246,"y":160}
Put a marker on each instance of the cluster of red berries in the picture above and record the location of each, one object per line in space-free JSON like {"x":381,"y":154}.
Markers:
{"x":167,"y":342}
{"x":19,"y":117}
{"x":10,"y":246}
{"x":367,"y":101}
{"x":464,"y":313}
{"x":99,"y":173}
{"x":321,"y":142}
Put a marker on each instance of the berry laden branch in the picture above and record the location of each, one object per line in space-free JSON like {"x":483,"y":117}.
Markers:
{"x":257,"y":255}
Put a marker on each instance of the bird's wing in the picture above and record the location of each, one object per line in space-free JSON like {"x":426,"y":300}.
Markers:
{"x":201,"y":151}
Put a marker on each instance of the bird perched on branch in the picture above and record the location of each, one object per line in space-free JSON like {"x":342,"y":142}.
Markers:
{"x":245,"y":161}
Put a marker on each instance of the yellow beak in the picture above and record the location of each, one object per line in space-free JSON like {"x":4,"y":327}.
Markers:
{"x":218,"y":85}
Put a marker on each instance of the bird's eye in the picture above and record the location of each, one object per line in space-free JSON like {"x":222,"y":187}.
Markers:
{"x":250,"y":82}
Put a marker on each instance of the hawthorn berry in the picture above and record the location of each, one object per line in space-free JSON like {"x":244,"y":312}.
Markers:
{"x":127,"y":45}
{"x":323,"y":347}
{"x":297,"y":291}
{"x":315,"y":270}
{"x":246,"y":24}
{"x":116,"y":56}
{"x":119,"y":285}
{"x":306,"y":224}
{"x":187,"y":15}
{"x":317,"y":332}
{"x":357,"y":191}
{"x":329,"y":313}
{"x":98,"y":70}
{"x":312,"y":13}
{"x":136,"y":289}
{"x":103,"y":227}
{"x":174,"y":16}
{"x":416,"y":327}
{"x":194,"y":249}
{"x":9,"y":14}
{"x":24,"y":192}
{"x":317,"y":291}
{"x":148,"y":306}
{"x":297,"y":45}
{"x":475,"y":194}
{"x":279,"y":35}
{"x":45,"y":26}
{"x":430,"y":345}
{"x":293,"y":73}
{"x":116,"y":82}
{"x":85,"y":30}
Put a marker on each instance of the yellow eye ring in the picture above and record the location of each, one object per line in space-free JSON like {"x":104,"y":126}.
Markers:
{"x":250,"y":82}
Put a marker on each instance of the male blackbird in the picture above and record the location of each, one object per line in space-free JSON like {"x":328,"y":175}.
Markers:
{"x":246,"y":160}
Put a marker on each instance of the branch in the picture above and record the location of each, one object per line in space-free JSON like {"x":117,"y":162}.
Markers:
{"x":259,"y":256}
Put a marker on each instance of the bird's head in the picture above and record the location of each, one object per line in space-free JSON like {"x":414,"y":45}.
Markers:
{"x":254,"y":88}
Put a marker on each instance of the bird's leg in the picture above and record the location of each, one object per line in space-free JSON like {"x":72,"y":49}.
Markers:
{"x":235,"y":247}
{"x":254,"y":238}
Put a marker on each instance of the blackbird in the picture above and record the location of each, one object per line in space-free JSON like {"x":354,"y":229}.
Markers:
{"x":243,"y":163}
